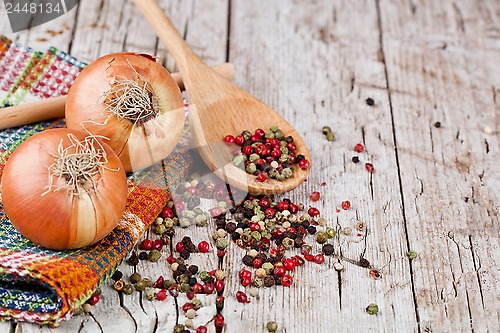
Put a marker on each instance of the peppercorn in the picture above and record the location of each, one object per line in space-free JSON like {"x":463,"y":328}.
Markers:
{"x":154,"y":255}
{"x":311,"y":230}
{"x":118,"y":285}
{"x":143,"y":255}
{"x":134,"y":278}
{"x":133,"y":260}
{"x":355,"y":159}
{"x":179,"y":328}
{"x":321,"y":237}
{"x":221,"y":243}
{"x":269,"y":281}
{"x":412,"y":254}
{"x":364,"y":263}
{"x":372,"y":309}
{"x":328,"y":249}
{"x":326,"y":130}
{"x":370,"y":102}
{"x":128,"y":289}
{"x":331,"y":232}
{"x":184,"y":254}
{"x":140,"y":285}
{"x":437,"y":124}
{"x":272,"y":326}
{"x":361,"y":226}
{"x":117,"y":275}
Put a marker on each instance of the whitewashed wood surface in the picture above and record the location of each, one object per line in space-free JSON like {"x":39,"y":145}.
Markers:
{"x":436,"y":190}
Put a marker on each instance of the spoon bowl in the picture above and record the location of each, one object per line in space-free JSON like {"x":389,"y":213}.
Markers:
{"x":218,"y":108}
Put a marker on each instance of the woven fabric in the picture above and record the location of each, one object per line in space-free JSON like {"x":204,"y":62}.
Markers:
{"x":43,"y":286}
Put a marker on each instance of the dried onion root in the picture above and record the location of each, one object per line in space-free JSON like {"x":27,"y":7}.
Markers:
{"x":133,"y":101}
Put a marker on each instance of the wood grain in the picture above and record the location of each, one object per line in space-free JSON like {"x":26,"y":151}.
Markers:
{"x":435,"y":190}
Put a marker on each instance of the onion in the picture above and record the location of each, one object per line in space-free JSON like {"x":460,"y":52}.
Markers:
{"x":63,"y":189}
{"x":132,"y":100}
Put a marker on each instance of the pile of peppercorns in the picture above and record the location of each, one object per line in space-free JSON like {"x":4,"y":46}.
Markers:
{"x":266,"y":154}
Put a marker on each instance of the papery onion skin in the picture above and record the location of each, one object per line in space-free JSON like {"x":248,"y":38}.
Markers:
{"x":138,"y":145}
{"x":58,"y":220}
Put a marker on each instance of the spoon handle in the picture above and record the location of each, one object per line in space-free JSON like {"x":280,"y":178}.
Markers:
{"x":187,"y":61}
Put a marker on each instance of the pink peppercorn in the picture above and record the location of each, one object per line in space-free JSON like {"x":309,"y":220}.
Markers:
{"x":369,"y":167}
{"x":359,"y":148}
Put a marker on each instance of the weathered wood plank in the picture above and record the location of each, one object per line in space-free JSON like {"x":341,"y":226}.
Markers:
{"x":441,"y":67}
{"x":316,"y":63}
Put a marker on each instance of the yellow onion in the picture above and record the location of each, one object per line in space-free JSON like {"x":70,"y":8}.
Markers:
{"x":134,"y":102}
{"x":63,"y":189}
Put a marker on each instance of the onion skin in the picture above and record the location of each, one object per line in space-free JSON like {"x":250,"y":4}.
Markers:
{"x":58,"y":220}
{"x":138,"y":145}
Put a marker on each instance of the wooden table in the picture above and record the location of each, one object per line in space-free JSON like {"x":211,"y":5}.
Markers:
{"x":432,"y":69}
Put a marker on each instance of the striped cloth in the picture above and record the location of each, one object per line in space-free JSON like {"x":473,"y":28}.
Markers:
{"x":43,"y":286}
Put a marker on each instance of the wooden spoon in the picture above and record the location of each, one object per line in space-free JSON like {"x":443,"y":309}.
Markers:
{"x":220,"y":108}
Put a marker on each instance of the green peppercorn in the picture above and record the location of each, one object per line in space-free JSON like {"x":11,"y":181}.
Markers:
{"x":221,"y":243}
{"x":248,"y":204}
{"x":237,"y":160}
{"x":179,"y":260}
{"x":412,"y":254}
{"x":288,"y":243}
{"x":253,"y":157}
{"x":183,"y":278}
{"x":160,"y":229}
{"x":287,"y":172}
{"x":200,"y":220}
{"x":185,"y":287}
{"x":184,"y":222}
{"x":274,"y":128}
{"x":247,"y":135}
{"x":167,"y":284}
{"x":331,"y":232}
{"x":197,"y":304}
{"x":279,"y":134}
{"x":147,"y":282}
{"x":140,"y":286}
{"x":321,"y":237}
{"x":272,"y":326}
{"x":154,"y":255}
{"x":189,"y":214}
{"x":251,"y":168}
{"x":256,"y":235}
{"x":330,"y":136}
{"x":150,"y":294}
{"x":128,"y":289}
{"x":271,"y":225}
{"x":326,"y":130}
{"x":134,"y":278}
{"x":269,"y":135}
{"x":372,"y":309}
{"x":179,"y":328}
{"x":258,"y":282}
{"x":204,"y":275}
{"x":268,"y":267}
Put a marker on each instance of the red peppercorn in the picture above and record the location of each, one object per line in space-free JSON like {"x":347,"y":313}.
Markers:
{"x":315,"y":196}
{"x":273,"y":252}
{"x":179,"y":206}
{"x":244,"y":273}
{"x":161,"y":295}
{"x":291,"y":147}
{"x":242,"y":297}
{"x":369,"y":167}
{"x":319,"y":258}
{"x":93,"y":299}
{"x":203,"y":246}
{"x":239,"y":140}
{"x":158,"y":244}
{"x":276,"y":153}
{"x":167,"y":213}
{"x":192,"y":189}
{"x":286,"y":281}
{"x":313,"y":211}
{"x":289,"y":264}
{"x":261,"y":177}
{"x":209,"y":288}
{"x":279,"y":271}
{"x":346,"y":205}
{"x":201,"y":329}
{"x":255,"y":226}
{"x":247,"y":150}
{"x":146,"y":244}
{"x":171,"y":259}
{"x":264,"y":202}
{"x":216,"y":211}
{"x":283,"y":205}
{"x":190,"y":295}
{"x":270,"y":212}
{"x":219,"y":322}
{"x":293,"y":208}
{"x":299,"y":261}
{"x":292,"y":158}
{"x":187,"y":306}
{"x":229,"y":140}
{"x":221,"y":253}
{"x":257,"y":263}
{"x":359,"y":148}
{"x":309,"y":257}
{"x":179,"y":247}
{"x":219,"y":286}
{"x":245,"y":282}
{"x":197,"y":288}
{"x":259,"y":132}
{"x":159,"y":282}
{"x":304,"y":164}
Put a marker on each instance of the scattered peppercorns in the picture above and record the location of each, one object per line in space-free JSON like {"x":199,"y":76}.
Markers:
{"x":372,"y":309}
{"x":412,"y":254}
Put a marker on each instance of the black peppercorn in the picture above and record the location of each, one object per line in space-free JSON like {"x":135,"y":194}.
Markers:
{"x":364,"y":263}
{"x":288,"y":139}
{"x":269,"y":281}
{"x":186,"y":240}
{"x":219,"y":305}
{"x":190,"y":247}
{"x":311,"y":230}
{"x":193,"y":269}
{"x":184,"y":254}
{"x":370,"y":101}
{"x":299,"y":158}
{"x":192,"y":281}
{"x":181,"y":268}
{"x":143,"y":255}
{"x":298,"y":242}
{"x":248,"y":260}
{"x":306,"y":224}
{"x":235,"y":236}
{"x":134,"y":259}
{"x":328,"y":249}
{"x":230,"y":227}
{"x":437,"y":124}
{"x":277,"y":280}
{"x":209,"y":280}
{"x":117,"y":275}
{"x":355,"y":159}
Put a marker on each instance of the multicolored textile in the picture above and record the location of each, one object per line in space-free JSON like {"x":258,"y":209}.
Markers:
{"x":44,"y":286}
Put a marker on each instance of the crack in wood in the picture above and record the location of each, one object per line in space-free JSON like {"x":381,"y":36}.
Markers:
{"x":73,"y":30}
{"x":228,"y":34}
{"x":460,"y":18}
{"x":477,"y":268}
{"x":97,"y":322}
